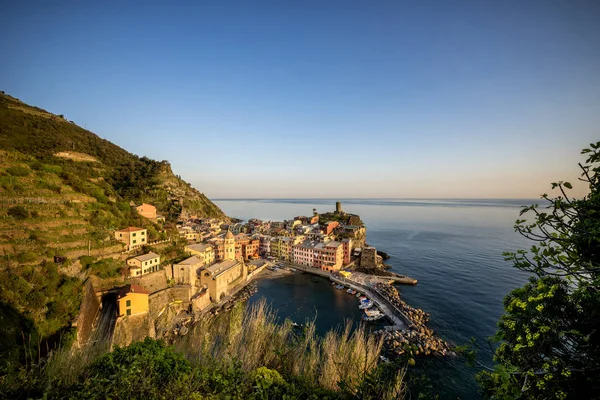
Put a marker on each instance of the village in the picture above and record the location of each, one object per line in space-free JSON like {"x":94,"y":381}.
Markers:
{"x":222,"y":258}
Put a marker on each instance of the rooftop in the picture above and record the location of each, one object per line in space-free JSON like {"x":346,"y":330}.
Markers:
{"x":131,"y":288}
{"x":193,"y":260}
{"x":131,"y":229}
{"x":146,"y":257}
{"x":220,"y":267}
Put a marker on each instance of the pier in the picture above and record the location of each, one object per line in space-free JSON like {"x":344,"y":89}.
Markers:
{"x":399,"y":320}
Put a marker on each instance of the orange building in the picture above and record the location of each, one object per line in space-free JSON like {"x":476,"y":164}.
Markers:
{"x":132,"y":237}
{"x":146,"y":210}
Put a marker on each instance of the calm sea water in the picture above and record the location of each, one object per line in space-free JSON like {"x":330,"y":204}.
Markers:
{"x":453,"y":247}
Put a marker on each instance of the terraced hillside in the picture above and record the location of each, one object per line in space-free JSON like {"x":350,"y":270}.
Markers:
{"x":63,"y":192}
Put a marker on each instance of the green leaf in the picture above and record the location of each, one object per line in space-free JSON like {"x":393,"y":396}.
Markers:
{"x":568,"y":185}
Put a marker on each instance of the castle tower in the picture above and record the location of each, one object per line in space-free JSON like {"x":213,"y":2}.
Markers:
{"x":229,"y":246}
{"x":338,"y":207}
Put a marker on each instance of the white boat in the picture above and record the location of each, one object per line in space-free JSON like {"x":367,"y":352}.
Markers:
{"x":365,"y":304}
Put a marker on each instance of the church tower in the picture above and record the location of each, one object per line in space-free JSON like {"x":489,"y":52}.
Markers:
{"x":229,"y":246}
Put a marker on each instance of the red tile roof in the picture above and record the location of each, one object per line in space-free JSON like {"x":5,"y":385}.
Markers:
{"x":131,"y":288}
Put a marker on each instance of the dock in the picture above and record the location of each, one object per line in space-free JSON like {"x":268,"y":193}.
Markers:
{"x":399,"y":320}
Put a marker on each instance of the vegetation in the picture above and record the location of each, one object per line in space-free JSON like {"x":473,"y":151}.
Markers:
{"x":239,"y":355}
{"x":550,"y":332}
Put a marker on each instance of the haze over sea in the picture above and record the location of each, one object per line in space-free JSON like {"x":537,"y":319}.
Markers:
{"x":452,"y":246}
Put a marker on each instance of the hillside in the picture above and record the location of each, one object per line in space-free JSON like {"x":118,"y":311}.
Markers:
{"x":53,"y":140}
{"x":63,"y":192}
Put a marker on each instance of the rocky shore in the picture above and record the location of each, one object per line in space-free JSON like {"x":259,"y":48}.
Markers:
{"x":418,"y":339}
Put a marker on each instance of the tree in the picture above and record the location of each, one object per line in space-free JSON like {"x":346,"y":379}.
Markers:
{"x":550,"y":331}
{"x":18,"y":212}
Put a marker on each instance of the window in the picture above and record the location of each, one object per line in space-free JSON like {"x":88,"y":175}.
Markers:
{"x":129,"y":311}
{"x":143,"y":233}
{"x":128,"y":303}
{"x":134,"y":242}
{"x":133,"y":234}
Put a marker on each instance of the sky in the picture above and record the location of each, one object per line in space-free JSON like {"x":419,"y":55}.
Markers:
{"x":323,"y":99}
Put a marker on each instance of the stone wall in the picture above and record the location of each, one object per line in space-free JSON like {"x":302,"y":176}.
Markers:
{"x":158,"y":300}
{"x":152,"y":282}
{"x":88,"y":311}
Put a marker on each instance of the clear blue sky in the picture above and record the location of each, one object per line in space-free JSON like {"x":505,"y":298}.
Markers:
{"x":322,"y":98}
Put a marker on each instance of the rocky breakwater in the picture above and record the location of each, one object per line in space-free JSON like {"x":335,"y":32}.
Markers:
{"x":418,"y":339}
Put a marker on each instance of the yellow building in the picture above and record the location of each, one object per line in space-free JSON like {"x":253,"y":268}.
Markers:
{"x":144,"y":264}
{"x":204,"y":251}
{"x":132,"y":300}
{"x":275,"y":248}
{"x":132,"y":237}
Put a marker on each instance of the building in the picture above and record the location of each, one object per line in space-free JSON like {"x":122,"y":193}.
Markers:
{"x":347,"y":243}
{"x":328,"y":227}
{"x":304,"y":253}
{"x":264,"y":245}
{"x":246,"y":247}
{"x":186,"y":272}
{"x":369,"y":257}
{"x":132,"y":300}
{"x":146,"y":210}
{"x":329,"y":256}
{"x":144,"y":264}
{"x":132,"y":237}
{"x":221,"y":278}
{"x":204,"y":251}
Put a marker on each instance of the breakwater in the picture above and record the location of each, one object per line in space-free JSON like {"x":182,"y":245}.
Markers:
{"x":418,"y":339}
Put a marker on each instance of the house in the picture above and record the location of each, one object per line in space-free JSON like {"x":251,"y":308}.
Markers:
{"x":146,"y":210}
{"x":203,"y":251}
{"x":186,"y":272}
{"x":144,"y":264}
{"x":132,"y":237}
{"x":132,"y":300}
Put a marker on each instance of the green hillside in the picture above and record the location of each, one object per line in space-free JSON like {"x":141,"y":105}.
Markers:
{"x":63,"y":192}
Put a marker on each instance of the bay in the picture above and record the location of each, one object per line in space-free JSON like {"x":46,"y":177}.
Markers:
{"x":453,"y":247}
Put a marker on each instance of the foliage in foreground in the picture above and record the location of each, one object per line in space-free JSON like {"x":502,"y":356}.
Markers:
{"x":550,"y":331}
{"x":239,"y":355}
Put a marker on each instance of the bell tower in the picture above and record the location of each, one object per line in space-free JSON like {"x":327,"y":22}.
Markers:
{"x":229,"y":246}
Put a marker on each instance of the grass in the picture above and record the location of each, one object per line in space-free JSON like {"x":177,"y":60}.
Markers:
{"x":243,"y":354}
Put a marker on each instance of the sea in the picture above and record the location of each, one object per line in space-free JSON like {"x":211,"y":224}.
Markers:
{"x":453,"y":247}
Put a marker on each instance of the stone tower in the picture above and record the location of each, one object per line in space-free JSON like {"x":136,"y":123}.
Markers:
{"x":229,"y":246}
{"x":338,"y":207}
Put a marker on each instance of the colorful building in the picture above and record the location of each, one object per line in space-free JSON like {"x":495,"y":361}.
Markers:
{"x":146,"y":210}
{"x":204,"y":251}
{"x":132,"y":300}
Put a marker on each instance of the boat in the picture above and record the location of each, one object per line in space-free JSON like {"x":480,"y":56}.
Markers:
{"x":352,"y":291}
{"x":363,"y":298}
{"x":372,"y":312}
{"x":332,"y":283}
{"x":339,"y":287}
{"x":358,"y":295}
{"x":365,"y":304}
{"x":373,"y":318}
{"x":296,"y":325}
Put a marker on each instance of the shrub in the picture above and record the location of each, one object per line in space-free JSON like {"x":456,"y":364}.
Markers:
{"x":18,"y":171}
{"x":18,"y":212}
